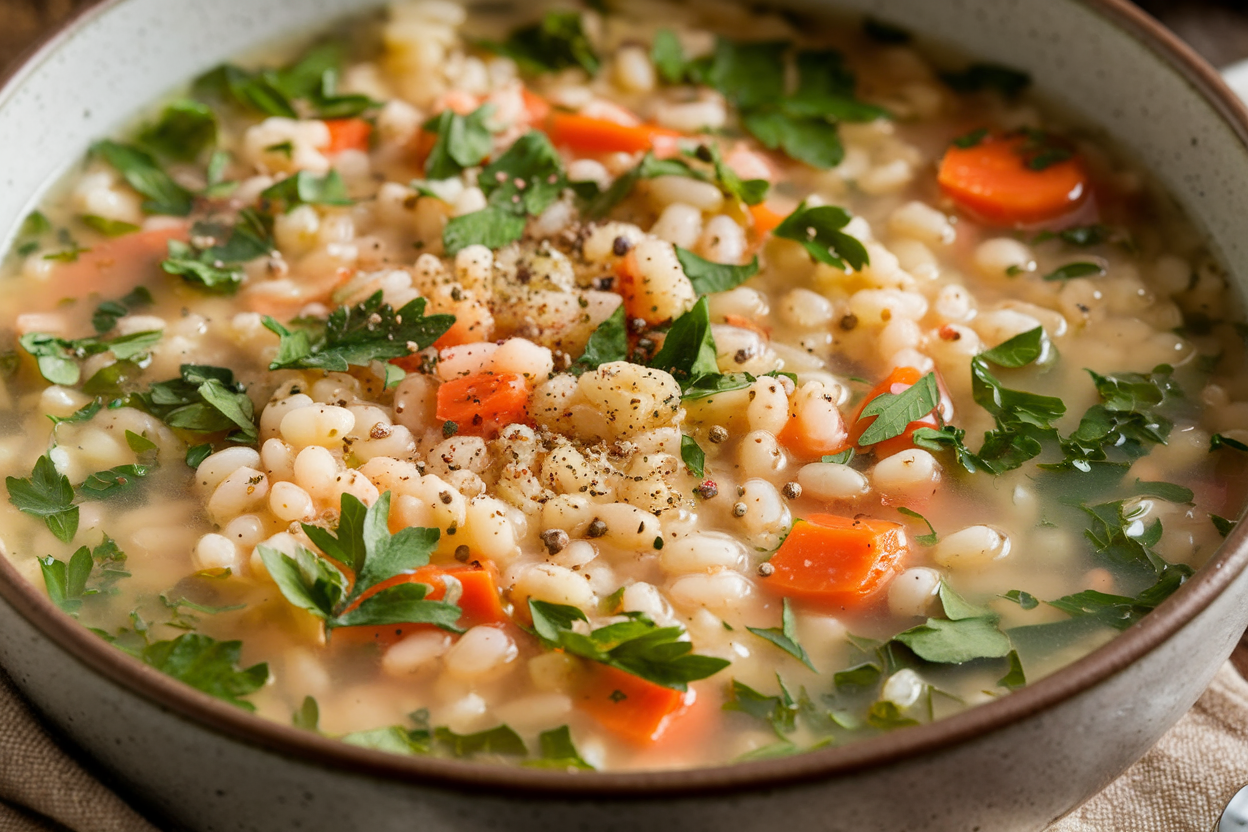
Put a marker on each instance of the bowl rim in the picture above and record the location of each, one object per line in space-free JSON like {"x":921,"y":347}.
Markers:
{"x":517,"y":783}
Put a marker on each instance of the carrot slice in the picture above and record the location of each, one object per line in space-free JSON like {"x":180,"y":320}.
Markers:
{"x":836,"y":561}
{"x":480,"y":601}
{"x":536,"y":108}
{"x":484,"y":403}
{"x":348,"y":134}
{"x":582,"y":134}
{"x":992,"y":180}
{"x":766,"y":220}
{"x":899,"y":380}
{"x":114,"y":266}
{"x":631,"y":707}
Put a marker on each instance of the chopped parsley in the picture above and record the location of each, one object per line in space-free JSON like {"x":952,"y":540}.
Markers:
{"x":636,"y":645}
{"x":184,"y":131}
{"x":46,"y":493}
{"x":364,"y":544}
{"x":203,"y":400}
{"x":58,"y":358}
{"x":307,"y":188}
{"x":709,"y":277}
{"x":109,"y":312}
{"x":819,"y":231}
{"x":981,"y":77}
{"x":556,"y":42}
{"x":692,"y":455}
{"x":162,"y":195}
{"x":356,"y":336}
{"x":218,"y":266}
{"x":461,"y":141}
{"x":607,"y":343}
{"x":88,"y":572}
{"x":785,"y":636}
{"x":894,"y":412}
{"x":1073,"y":270}
{"x":929,"y":539}
{"x":208,"y":665}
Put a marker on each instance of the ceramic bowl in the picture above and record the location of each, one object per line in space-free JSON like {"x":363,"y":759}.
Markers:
{"x":1017,"y":763}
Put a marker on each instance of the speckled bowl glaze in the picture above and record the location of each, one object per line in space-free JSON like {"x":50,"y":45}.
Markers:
{"x":1017,"y":763}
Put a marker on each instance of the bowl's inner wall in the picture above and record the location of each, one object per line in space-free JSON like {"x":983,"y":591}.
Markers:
{"x":136,"y":51}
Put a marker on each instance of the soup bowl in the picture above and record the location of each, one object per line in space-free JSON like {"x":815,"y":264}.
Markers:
{"x":1016,"y":763}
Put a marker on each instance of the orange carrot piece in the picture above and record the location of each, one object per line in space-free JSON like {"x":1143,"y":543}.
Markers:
{"x":112,"y":267}
{"x":992,"y":181}
{"x":582,"y":134}
{"x":631,"y":707}
{"x":348,"y":134}
{"x":804,"y":446}
{"x":480,"y":602}
{"x":766,"y":220}
{"x":536,"y":108}
{"x":900,"y":379}
{"x":837,"y":562}
{"x":483,"y":404}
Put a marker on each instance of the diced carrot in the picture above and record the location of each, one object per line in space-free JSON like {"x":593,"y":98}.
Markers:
{"x":421,"y":145}
{"x":836,"y":562}
{"x":899,"y":380}
{"x":631,"y":707}
{"x":536,"y":108}
{"x":582,"y":134}
{"x":480,"y":601}
{"x":806,"y":445}
{"x":992,"y":181}
{"x":110,"y":268}
{"x":461,"y":332}
{"x":348,"y":134}
{"x":766,"y":220}
{"x":484,"y":403}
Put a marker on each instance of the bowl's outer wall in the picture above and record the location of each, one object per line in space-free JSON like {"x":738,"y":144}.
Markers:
{"x":1017,"y":778}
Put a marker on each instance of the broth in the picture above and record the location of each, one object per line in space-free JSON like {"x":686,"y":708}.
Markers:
{"x":655,"y":390}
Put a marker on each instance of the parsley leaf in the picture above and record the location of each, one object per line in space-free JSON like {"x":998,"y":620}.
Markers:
{"x":491,"y":227}
{"x":306,"y":188}
{"x":219,"y":267}
{"x":555,"y":43}
{"x":558,"y":751}
{"x":607,"y":343}
{"x":107,"y":227}
{"x":462,"y":142}
{"x":47,"y":494}
{"x":58,"y":358}
{"x":312,"y":79}
{"x":1120,"y":536}
{"x":355,"y":336}
{"x":636,"y":645}
{"x":1224,"y":527}
{"x":956,"y":642}
{"x":203,"y":400}
{"x":924,"y":539}
{"x":819,"y":232}
{"x":1014,"y":678}
{"x":364,"y":544}
{"x":1072,"y":270}
{"x":88,"y":572}
{"x":668,"y":56}
{"x":780,"y":712}
{"x":1024,"y":599}
{"x":141,"y":172}
{"x":499,"y":740}
{"x":688,"y":351}
{"x":527,"y":178}
{"x":109,"y":312}
{"x":895,"y":411}
{"x":104,"y":484}
{"x":208,"y":665}
{"x":692,"y":455}
{"x":1119,"y":611}
{"x":185,"y":130}
{"x":709,"y":277}
{"x":1126,"y":423}
{"x":979,"y":77}
{"x":650,"y":167}
{"x":785,"y":636}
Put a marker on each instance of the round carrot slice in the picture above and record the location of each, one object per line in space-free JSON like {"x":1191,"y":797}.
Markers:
{"x":1009,"y":180}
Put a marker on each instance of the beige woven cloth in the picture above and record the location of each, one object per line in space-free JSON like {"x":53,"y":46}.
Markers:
{"x":1180,"y":786}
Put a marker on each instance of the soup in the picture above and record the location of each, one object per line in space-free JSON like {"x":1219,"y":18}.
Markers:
{"x":643,"y":390}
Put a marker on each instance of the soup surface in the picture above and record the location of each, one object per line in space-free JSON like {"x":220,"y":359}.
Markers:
{"x":656,"y":388}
